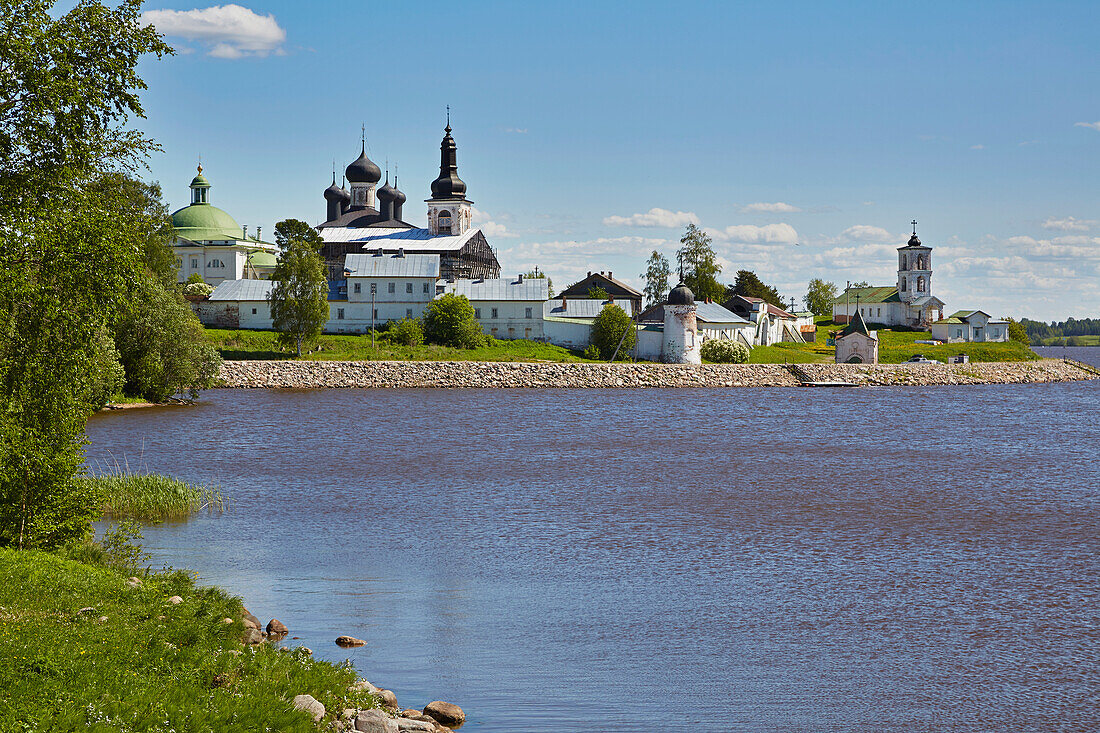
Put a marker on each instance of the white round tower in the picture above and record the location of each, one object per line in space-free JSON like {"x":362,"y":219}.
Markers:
{"x":681,"y":344}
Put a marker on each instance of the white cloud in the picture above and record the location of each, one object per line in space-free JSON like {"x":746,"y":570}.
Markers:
{"x":516,"y":130}
{"x":490,"y":228}
{"x":866,"y":233}
{"x":655,"y":217}
{"x":1069,"y":224}
{"x":977,"y":147}
{"x":1090,"y":125}
{"x":776,"y":208}
{"x":749,"y":234}
{"x":231,"y":31}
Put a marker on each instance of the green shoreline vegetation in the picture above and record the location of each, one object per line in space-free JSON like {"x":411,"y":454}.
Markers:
{"x":81,"y":648}
{"x":151,"y":497}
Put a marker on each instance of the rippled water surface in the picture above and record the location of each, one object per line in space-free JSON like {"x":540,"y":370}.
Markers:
{"x":914,"y":559}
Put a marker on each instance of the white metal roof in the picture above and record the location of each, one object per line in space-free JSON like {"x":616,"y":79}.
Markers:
{"x":530,"y":288}
{"x":242,"y":290}
{"x":392,"y":265}
{"x":412,"y":240}
{"x":714,"y":313}
{"x":579,"y":307}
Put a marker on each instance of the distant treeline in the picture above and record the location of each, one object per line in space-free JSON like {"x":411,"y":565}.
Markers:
{"x":1057,"y":329}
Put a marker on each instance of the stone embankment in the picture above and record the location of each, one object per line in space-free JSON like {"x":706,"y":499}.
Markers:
{"x":479,"y":375}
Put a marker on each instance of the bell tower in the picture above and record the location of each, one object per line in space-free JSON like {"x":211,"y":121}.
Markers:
{"x":914,"y":269}
{"x":449,"y":211}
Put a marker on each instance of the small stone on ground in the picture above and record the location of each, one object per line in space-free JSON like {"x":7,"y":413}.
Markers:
{"x":310,"y":705}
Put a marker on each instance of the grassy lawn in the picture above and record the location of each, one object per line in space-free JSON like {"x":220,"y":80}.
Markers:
{"x":150,"y":665}
{"x":894,"y":347}
{"x":237,"y":345}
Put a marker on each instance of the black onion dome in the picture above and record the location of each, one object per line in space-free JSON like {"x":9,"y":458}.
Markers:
{"x":334,"y":192}
{"x":398,"y":197}
{"x":386,"y":192}
{"x":914,"y":241}
{"x":363,"y":170}
{"x":681,"y":295}
{"x":345,"y":194}
{"x":448,"y":185}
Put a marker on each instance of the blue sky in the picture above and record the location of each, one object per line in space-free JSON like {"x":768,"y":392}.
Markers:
{"x":802,"y":136}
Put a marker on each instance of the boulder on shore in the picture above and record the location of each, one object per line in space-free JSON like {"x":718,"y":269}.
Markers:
{"x":348,"y":641}
{"x":246,"y":617}
{"x":446,"y":713}
{"x":389,"y":698}
{"x":275,"y":626}
{"x":375,"y":721}
{"x":310,"y":705}
{"x":253,"y":636}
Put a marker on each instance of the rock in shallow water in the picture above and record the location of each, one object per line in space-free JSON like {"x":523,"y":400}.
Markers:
{"x":275,"y":626}
{"x":446,"y":713}
{"x":349,"y":641}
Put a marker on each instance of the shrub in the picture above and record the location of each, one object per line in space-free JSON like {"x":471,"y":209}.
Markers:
{"x":592,"y":352}
{"x":199,"y":288}
{"x":611,"y":326}
{"x":406,"y":332}
{"x":722,"y":351}
{"x":194,"y":278}
{"x":449,"y":321}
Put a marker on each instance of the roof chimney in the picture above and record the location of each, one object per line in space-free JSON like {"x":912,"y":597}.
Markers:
{"x":609,"y":274}
{"x":564,"y":303}
{"x":520,"y":278}
{"x":258,"y":236}
{"x":589,"y":273}
{"x":401,"y":252}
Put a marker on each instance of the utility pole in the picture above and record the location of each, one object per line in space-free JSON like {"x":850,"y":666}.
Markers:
{"x":373,"y":291}
{"x":848,"y":300}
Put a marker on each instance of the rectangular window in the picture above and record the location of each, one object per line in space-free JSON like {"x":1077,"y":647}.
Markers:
{"x":408,"y":288}
{"x":194,"y":263}
{"x":358,"y":287}
{"x":393,"y":287}
{"x":339,"y":314}
{"x":408,"y":313}
{"x":878,"y":311}
{"x":494,"y":331}
{"x":477,"y":313}
{"x":493,"y":314}
{"x":426,"y":288}
{"x":526,"y":312}
{"x":253,"y":311}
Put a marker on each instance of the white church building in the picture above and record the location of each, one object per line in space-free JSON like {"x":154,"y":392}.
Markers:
{"x":908,"y":303}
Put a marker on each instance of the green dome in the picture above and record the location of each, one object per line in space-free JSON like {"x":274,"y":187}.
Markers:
{"x":200,"y":222}
{"x":200,"y":181}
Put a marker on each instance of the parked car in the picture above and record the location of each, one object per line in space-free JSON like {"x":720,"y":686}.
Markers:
{"x":920,"y":359}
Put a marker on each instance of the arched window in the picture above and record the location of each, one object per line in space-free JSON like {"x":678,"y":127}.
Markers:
{"x":920,"y":262}
{"x":920,"y":284}
{"x":903,"y":287}
{"x":443,"y":222}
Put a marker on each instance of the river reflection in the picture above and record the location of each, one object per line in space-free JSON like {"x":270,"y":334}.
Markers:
{"x":615,"y":560}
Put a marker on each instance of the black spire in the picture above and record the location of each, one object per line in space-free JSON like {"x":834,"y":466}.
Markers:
{"x":398,"y":199}
{"x":448,"y":185}
{"x":385,"y":199}
{"x":333,"y":197}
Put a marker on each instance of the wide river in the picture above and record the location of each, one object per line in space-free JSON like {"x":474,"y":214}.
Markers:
{"x":886,"y":559}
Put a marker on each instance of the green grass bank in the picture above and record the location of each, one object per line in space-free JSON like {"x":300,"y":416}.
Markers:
{"x":137,"y":662}
{"x":895,"y":347}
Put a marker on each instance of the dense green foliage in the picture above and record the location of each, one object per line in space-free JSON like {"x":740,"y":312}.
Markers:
{"x":748,"y":285}
{"x":611,"y":328}
{"x":820,"y":296}
{"x":1052,"y":333}
{"x":151,"y":665}
{"x":81,"y":245}
{"x":162,"y":346}
{"x":724,"y":351}
{"x":406,"y":332}
{"x":289,"y":231}
{"x":299,"y":298}
{"x":1018,"y":332}
{"x":449,"y":320}
{"x":700,"y":265}
{"x":657,"y":273}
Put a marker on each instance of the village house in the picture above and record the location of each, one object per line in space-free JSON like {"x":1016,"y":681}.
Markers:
{"x":969,"y":325}
{"x":616,"y":290}
{"x":771,"y":323}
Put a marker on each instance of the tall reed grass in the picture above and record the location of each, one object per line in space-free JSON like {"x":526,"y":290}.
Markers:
{"x":152,"y":497}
